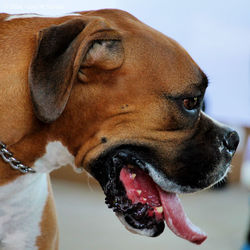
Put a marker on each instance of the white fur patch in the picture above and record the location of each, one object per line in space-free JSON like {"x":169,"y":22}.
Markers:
{"x":55,"y":157}
{"x":22,"y":203}
{"x":12,"y":17}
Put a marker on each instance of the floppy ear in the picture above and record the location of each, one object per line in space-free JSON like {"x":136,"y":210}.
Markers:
{"x":51,"y":70}
{"x":61,"y":50}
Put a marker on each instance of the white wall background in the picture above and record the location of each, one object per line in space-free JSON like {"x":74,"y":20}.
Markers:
{"x":215,"y":33}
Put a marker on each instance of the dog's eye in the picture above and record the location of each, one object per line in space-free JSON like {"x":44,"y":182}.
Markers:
{"x":191,"y":103}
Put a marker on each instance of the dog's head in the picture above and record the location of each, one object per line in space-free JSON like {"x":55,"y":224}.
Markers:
{"x":133,"y":117}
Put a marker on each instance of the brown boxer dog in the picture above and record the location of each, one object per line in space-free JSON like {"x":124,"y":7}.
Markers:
{"x":100,"y":90}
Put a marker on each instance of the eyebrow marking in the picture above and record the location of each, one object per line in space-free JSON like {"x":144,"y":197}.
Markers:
{"x":193,"y":90}
{"x":203,"y":83}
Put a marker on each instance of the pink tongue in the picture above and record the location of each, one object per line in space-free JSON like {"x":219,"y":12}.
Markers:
{"x":135,"y":179}
{"x":177,"y":220}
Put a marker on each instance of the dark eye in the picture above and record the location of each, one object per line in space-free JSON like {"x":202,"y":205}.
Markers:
{"x":191,"y":103}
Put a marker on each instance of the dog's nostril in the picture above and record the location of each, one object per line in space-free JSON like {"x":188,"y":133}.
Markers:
{"x":231,"y":140}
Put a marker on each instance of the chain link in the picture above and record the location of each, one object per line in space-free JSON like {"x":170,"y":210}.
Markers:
{"x":8,"y":157}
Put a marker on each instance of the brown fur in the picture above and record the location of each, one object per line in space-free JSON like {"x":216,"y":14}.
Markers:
{"x":106,"y":98}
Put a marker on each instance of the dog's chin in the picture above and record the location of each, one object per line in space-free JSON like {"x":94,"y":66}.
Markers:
{"x":142,"y":197}
{"x":144,"y":232}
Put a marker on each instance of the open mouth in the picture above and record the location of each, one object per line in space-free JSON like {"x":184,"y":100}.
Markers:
{"x":141,"y":205}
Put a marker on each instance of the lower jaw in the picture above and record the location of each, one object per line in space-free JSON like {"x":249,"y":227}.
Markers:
{"x":153,"y":232}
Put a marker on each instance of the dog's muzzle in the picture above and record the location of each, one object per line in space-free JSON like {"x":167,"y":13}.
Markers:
{"x":142,"y":187}
{"x":141,"y":204}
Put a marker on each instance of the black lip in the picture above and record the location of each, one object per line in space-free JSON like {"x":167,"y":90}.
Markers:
{"x":106,"y":169}
{"x":126,"y":154}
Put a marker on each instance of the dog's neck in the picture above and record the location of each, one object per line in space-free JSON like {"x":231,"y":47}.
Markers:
{"x":24,"y":197}
{"x":38,"y":151}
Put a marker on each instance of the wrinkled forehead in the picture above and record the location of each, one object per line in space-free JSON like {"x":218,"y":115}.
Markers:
{"x":154,"y":57}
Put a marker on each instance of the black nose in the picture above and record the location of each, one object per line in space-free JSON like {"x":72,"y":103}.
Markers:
{"x":231,"y":141}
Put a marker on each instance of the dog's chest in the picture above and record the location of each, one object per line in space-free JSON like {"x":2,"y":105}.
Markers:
{"x":22,"y":204}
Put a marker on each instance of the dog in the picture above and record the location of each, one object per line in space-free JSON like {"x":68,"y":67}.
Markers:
{"x":106,"y":93}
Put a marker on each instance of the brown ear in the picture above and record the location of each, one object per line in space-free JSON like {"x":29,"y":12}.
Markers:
{"x":51,"y":70}
{"x":61,"y":51}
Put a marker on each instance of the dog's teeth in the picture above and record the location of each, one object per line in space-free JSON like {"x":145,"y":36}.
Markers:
{"x":138,"y":191}
{"x":144,"y":199}
{"x":133,"y":176}
{"x":159,"y":209}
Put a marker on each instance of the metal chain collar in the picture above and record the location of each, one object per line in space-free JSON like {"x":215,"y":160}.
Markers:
{"x":8,"y":157}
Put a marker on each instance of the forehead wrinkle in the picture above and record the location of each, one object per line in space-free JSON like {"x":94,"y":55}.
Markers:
{"x":190,"y":89}
{"x":200,"y":85}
